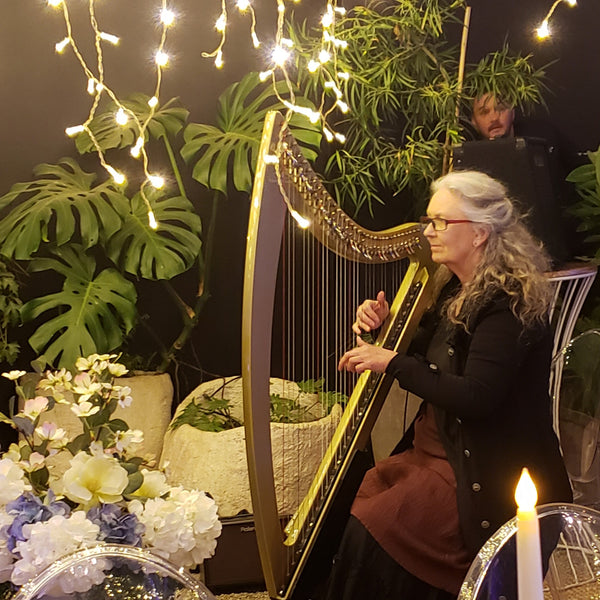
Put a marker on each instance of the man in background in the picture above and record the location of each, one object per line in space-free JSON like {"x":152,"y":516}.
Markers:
{"x":492,"y":118}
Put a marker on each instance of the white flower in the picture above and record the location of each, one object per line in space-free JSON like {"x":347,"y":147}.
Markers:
{"x":34,"y":462}
{"x":117,"y":369}
{"x":125,"y":439}
{"x":51,"y":432}
{"x":34,"y":407}
{"x":123,"y":393}
{"x":7,"y":558}
{"x":94,"y":479}
{"x":182,"y":528}
{"x":84,"y":409}
{"x":57,"y":382}
{"x":155,"y":485}
{"x":48,"y":541}
{"x":85,"y":387}
{"x":12,"y":481}
{"x":13,"y":375}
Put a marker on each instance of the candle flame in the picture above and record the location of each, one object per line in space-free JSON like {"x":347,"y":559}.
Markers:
{"x":526,"y":494}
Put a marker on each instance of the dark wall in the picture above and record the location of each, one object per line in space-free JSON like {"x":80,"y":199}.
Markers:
{"x":41,"y":93}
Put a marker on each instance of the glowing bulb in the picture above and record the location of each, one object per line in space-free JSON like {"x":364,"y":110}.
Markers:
{"x":60,"y":46}
{"x":54,"y":3}
{"x":328,"y":134}
{"x":270,"y":159}
{"x":343,"y":75}
{"x":152,"y":220}
{"x":281,"y":7}
{"x":243,"y":5}
{"x":167,"y":17}
{"x":221,"y":23}
{"x":255,"y":40}
{"x":219,"y":60}
{"x":543,"y":31}
{"x":162,"y":58}
{"x":340,"y":137}
{"x":121,"y":117}
{"x":99,"y":87}
{"x":324,"y":56}
{"x":91,"y":86}
{"x":153,"y":102}
{"x":302,"y":222}
{"x":340,"y":10}
{"x":71,"y":131}
{"x":287,"y":42}
{"x":157,"y":181}
{"x":109,"y":37}
{"x":279,"y":55}
{"x":118,"y":177}
{"x":264,"y":75}
{"x":526,"y":494}
{"x":571,"y":2}
{"x":313,"y":65}
{"x":327,"y":19}
{"x":343,"y":106}
{"x":137,"y":149}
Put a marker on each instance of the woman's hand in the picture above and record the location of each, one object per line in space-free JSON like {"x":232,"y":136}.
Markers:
{"x":371,"y":314}
{"x":366,"y":356}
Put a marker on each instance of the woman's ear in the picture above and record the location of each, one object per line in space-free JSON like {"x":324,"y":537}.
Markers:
{"x":481,"y":236}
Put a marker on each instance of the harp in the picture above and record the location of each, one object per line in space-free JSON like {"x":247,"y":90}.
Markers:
{"x":284,"y":184}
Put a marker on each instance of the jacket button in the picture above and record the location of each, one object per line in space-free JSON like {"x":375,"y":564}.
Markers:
{"x":451,"y":351}
{"x":475,"y":487}
{"x":485,"y":524}
{"x":433,"y":367}
{"x":467,"y":453}
{"x":459,"y":421}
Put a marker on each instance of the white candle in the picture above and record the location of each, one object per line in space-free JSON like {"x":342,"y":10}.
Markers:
{"x":529,"y":554}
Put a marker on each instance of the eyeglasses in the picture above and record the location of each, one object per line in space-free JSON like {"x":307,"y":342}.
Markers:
{"x":440,"y":224}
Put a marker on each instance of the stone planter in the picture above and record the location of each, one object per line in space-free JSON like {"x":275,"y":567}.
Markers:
{"x":216,"y":462}
{"x":150,"y":411}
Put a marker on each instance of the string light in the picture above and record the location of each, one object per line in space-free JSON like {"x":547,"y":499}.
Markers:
{"x":96,"y":87}
{"x":544,"y":31}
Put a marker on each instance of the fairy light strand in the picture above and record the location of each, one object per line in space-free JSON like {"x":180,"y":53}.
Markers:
{"x":544,"y":31}
{"x":96,"y":87}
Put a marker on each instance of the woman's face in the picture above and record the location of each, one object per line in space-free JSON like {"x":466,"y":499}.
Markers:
{"x":460,"y":245}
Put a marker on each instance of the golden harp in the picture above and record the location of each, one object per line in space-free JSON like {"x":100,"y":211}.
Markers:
{"x":284,"y":184}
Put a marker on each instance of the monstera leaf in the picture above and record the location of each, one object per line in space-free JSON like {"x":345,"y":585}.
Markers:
{"x":167,"y":120}
{"x":61,"y":204}
{"x":234,"y":143}
{"x":94,"y":312}
{"x":162,"y":253}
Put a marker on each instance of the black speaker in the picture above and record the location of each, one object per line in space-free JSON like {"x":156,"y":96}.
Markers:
{"x":524,"y":166}
{"x":235,"y":566}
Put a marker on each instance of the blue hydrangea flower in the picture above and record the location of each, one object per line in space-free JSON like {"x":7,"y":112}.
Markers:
{"x":116,"y":525}
{"x":28,"y":508}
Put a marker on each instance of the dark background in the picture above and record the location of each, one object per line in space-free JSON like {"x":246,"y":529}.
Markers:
{"x":42,"y":93}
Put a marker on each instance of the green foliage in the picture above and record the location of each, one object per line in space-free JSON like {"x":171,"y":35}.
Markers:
{"x":92,"y":312}
{"x":586,"y":179}
{"x":231,"y":148}
{"x":404,"y":95}
{"x":213,"y":413}
{"x":208,"y":413}
{"x":95,"y":235}
{"x":10,"y":306}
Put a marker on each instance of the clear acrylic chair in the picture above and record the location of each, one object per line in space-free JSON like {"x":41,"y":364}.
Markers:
{"x":116,"y":572}
{"x":578,"y":407}
{"x":570,"y":540}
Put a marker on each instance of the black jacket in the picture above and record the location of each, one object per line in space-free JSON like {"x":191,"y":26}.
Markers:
{"x":489,"y":390}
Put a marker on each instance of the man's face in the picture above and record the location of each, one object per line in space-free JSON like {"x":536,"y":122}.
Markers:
{"x":492,"y":118}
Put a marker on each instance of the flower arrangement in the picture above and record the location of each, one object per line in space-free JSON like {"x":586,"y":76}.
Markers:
{"x":106,"y":494}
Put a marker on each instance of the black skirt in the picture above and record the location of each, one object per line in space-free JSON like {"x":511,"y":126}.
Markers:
{"x":362,"y":570}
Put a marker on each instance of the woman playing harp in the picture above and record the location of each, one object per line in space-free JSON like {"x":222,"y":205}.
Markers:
{"x":421,"y":515}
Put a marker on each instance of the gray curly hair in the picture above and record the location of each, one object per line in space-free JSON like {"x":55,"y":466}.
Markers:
{"x":513,"y":261}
